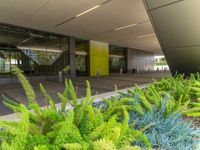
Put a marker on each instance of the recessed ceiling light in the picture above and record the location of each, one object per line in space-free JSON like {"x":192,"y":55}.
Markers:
{"x":87,"y":11}
{"x":147,"y":35}
{"x":82,"y":13}
{"x":124,"y":27}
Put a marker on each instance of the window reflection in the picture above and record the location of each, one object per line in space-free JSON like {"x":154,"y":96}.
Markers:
{"x":36,"y":53}
{"x":82,"y":48}
{"x":4,"y":63}
{"x":117,"y":59}
{"x":81,"y":65}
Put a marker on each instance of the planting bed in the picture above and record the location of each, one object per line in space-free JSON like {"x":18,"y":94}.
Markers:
{"x":161,"y":116}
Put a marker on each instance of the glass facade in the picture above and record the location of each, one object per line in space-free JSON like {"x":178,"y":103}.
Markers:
{"x":43,"y":54}
{"x":117,"y":59}
{"x":36,"y":53}
{"x":82,"y":63}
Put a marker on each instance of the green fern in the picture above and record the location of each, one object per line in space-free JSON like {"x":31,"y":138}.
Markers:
{"x":73,"y":146}
{"x":103,"y":144}
{"x":48,"y":97}
{"x":20,"y":132}
{"x":73,"y":94}
{"x":84,"y":127}
{"x":144,"y":100}
{"x":64,"y":97}
{"x":30,"y":94}
{"x":41,"y":147}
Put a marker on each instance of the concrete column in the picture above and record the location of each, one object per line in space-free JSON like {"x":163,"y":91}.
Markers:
{"x":72,"y":50}
{"x":139,"y":60}
{"x":126,"y":60}
{"x":131,"y":60}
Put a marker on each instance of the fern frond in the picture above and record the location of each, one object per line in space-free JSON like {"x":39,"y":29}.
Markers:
{"x":91,"y":113}
{"x":88,"y":92}
{"x":19,"y":141}
{"x":64,"y":97}
{"x":48,"y":97}
{"x":14,"y":108}
{"x":125,"y":124}
{"x":30,"y":94}
{"x":73,"y":146}
{"x":41,"y":147}
{"x":143,"y":99}
{"x":73,"y":94}
{"x":103,"y":144}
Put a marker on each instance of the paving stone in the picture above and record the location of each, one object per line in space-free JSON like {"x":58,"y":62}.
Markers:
{"x":98,"y":86}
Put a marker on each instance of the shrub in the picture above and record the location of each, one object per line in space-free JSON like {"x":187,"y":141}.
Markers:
{"x":168,"y":133}
{"x":83,"y":127}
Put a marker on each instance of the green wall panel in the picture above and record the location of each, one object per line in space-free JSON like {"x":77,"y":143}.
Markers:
{"x":99,"y":58}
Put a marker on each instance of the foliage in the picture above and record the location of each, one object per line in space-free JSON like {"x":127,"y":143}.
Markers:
{"x":19,"y":134}
{"x":83,"y":127}
{"x":168,"y":133}
{"x":115,"y":64}
{"x":141,"y":117}
{"x":30,"y":94}
{"x":186,"y":92}
{"x":178,"y":93}
{"x":81,"y":63}
{"x":160,"y":106}
{"x":66,"y":69}
{"x":42,"y":57}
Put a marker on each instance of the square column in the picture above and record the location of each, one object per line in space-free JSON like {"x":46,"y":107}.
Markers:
{"x":72,"y":56}
{"x":99,"y":58}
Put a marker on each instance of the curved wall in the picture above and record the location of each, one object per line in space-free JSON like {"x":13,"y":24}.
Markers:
{"x":177,"y":25}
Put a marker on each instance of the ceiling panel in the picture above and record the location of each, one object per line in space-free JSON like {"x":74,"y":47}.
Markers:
{"x":16,"y":11}
{"x":107,"y":17}
{"x":45,"y":14}
{"x":141,"y":44}
{"x":59,"y":10}
{"x":122,"y":35}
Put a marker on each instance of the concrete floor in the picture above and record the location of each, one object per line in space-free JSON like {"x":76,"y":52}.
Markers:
{"x":98,"y":86}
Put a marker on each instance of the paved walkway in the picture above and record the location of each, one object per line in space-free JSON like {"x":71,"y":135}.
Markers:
{"x":98,"y":86}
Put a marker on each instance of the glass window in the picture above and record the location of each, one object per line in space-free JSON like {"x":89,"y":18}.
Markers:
{"x":36,"y":53}
{"x":117,"y":59}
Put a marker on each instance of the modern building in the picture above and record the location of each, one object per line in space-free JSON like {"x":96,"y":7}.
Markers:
{"x":96,"y":37}
{"x":99,"y":74}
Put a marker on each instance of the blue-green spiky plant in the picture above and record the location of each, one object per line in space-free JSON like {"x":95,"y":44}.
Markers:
{"x":168,"y":133}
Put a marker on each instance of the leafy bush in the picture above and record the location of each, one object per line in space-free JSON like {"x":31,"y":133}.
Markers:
{"x":186,"y":91}
{"x":179,"y":98}
{"x":84,"y":127}
{"x":139,"y":118}
{"x":168,"y":133}
{"x":159,"y":116}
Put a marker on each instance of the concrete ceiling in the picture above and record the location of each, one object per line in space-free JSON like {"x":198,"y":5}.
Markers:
{"x":98,"y":24}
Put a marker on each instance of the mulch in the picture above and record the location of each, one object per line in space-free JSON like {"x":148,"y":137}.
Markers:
{"x":195,"y":120}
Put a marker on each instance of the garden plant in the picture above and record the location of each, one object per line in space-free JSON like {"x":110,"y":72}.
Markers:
{"x":150,"y":118}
